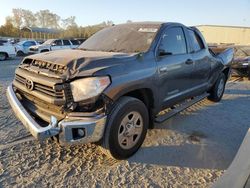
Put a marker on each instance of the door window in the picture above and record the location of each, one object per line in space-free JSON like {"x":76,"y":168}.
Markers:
{"x":29,"y":43}
{"x":58,"y":42}
{"x":75,"y":42}
{"x":66,"y":43}
{"x":173,"y":42}
{"x":196,"y":41}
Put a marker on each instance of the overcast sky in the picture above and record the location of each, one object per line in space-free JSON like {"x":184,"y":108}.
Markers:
{"x":189,"y":12}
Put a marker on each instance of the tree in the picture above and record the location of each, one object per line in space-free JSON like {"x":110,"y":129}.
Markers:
{"x":70,"y":27}
{"x":8,"y":29}
{"x":69,"y":22}
{"x":47,"y":19}
{"x":17,"y":17}
{"x":29,"y":18}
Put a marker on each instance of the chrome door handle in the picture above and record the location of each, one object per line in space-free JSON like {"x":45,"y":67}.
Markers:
{"x":163,"y":69}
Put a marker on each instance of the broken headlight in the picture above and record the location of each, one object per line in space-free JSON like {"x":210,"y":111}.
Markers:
{"x":87,"y":88}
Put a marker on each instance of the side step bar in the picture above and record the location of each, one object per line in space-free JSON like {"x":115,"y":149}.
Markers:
{"x":176,"y":109}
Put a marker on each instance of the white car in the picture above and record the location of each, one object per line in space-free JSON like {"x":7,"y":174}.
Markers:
{"x":7,"y":50}
{"x":54,"y":44}
{"x":22,"y":47}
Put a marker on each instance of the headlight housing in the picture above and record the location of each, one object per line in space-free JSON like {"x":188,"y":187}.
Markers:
{"x":87,"y":88}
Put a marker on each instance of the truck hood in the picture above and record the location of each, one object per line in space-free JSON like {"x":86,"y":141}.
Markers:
{"x":80,"y":63}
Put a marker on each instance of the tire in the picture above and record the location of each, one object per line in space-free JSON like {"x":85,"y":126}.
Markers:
{"x":126,"y":114}
{"x":218,"y":89}
{"x":20,"y":53}
{"x":3,"y":56}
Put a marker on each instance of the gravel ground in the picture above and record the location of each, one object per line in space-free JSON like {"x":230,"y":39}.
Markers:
{"x":192,"y":149}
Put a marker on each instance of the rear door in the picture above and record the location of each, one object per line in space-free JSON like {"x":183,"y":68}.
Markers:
{"x":175,"y":66}
{"x":201,"y":58}
{"x":57,"y":45}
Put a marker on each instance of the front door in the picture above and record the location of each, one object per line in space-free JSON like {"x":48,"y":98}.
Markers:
{"x":175,"y":66}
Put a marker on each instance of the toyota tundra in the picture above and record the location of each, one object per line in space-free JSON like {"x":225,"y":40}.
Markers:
{"x":112,"y":88}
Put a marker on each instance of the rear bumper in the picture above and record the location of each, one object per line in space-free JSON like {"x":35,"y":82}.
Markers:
{"x":91,"y":128}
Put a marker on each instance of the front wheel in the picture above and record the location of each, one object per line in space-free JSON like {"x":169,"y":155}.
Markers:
{"x":20,"y":53}
{"x":218,"y":89}
{"x":3,"y":56}
{"x":126,"y":128}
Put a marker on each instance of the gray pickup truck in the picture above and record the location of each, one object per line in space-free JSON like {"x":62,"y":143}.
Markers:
{"x":111,"y":89}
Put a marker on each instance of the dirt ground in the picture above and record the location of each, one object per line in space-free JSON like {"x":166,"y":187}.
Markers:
{"x":192,"y":149}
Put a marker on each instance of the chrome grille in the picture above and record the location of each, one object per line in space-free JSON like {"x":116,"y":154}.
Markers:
{"x":44,"y":89}
{"x":50,"y":66}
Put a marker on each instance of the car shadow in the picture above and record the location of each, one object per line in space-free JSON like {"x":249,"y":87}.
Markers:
{"x":186,"y":155}
{"x":237,"y":92}
{"x":211,"y":136}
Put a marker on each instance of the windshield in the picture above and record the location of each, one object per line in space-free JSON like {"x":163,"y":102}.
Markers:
{"x":127,"y":38}
{"x":48,"y":41}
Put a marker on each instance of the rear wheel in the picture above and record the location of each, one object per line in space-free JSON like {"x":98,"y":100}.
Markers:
{"x":20,"y":53}
{"x":3,"y":56}
{"x":218,"y":89}
{"x":126,"y":128}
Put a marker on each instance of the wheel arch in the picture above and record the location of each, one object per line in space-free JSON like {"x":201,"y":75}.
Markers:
{"x":7,"y":55}
{"x":147,"y":97}
{"x":227,"y":72}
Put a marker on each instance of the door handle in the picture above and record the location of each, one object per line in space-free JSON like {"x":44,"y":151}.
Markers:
{"x":189,"y":62}
{"x":163,"y":69}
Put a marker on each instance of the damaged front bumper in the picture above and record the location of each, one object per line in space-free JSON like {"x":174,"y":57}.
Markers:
{"x":72,"y":129}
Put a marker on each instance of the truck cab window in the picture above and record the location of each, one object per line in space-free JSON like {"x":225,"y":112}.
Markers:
{"x":196,"y":41}
{"x":58,"y":42}
{"x":75,"y":42}
{"x":66,"y":43}
{"x":173,"y":42}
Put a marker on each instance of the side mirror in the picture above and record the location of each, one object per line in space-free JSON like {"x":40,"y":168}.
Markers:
{"x":162,"y":52}
{"x":53,"y":44}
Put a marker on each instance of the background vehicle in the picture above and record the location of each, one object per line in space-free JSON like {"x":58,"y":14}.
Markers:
{"x":81,"y":40}
{"x":54,"y":44}
{"x":241,"y":62}
{"x":113,"y":87}
{"x":23,"y":46}
{"x":76,"y":42}
{"x":7,"y":50}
